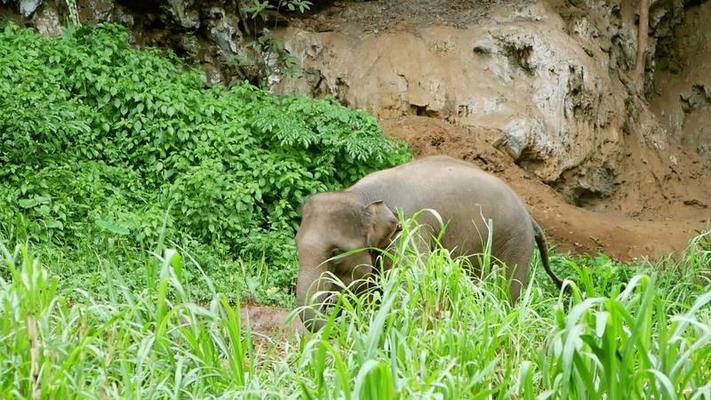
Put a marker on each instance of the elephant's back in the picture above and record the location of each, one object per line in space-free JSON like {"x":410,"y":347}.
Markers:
{"x":432,"y":180}
{"x":464,"y":195}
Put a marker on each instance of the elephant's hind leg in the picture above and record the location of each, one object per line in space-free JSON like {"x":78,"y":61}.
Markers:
{"x":516,"y":255}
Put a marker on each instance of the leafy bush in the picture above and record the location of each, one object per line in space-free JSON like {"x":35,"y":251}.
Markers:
{"x":99,"y":141}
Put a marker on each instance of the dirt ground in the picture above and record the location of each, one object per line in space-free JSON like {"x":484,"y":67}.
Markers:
{"x":270,"y":324}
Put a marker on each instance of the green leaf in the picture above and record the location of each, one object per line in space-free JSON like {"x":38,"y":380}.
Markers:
{"x":112,"y":226}
{"x":33,"y":202}
{"x":54,"y":224}
{"x":27,"y":203}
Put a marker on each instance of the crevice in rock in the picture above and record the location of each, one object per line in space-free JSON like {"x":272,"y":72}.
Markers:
{"x":519,"y":54}
{"x":423,"y":111}
{"x":530,"y":160}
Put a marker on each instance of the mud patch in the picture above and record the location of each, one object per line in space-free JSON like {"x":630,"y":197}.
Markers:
{"x":274,"y":334}
{"x":271,"y":322}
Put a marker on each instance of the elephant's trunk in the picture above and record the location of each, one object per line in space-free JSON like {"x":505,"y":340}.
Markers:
{"x":310,"y":281}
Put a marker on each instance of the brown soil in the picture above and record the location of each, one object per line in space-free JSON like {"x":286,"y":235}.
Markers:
{"x":660,"y":228}
{"x":270,"y":325}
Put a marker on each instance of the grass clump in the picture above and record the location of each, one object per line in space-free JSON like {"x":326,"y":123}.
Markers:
{"x":106,"y":146}
{"x":431,"y":332}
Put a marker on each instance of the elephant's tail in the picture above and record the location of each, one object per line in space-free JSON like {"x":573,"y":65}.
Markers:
{"x":543,"y":248}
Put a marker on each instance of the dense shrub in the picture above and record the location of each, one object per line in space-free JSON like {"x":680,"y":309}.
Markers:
{"x":98,"y":140}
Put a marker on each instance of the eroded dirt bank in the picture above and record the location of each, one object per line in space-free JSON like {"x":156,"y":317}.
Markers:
{"x":575,"y":229}
{"x":682,"y":85}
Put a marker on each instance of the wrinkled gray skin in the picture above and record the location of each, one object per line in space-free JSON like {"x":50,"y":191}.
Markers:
{"x":364,"y":215}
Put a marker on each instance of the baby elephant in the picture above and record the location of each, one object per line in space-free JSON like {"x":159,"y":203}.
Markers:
{"x":364,"y":215}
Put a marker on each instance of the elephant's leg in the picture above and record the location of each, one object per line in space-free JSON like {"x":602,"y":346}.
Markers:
{"x":516,"y":255}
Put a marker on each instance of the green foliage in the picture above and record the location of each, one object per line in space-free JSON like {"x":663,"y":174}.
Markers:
{"x":103,"y":144}
{"x":432,"y":332}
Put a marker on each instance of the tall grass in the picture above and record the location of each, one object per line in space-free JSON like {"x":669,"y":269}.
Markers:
{"x":430,"y":332}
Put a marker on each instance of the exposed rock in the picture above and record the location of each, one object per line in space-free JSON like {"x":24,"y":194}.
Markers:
{"x":699,"y":96}
{"x":28,"y":7}
{"x":96,"y":11}
{"x":556,"y":107}
{"x":47,"y":22}
{"x":518,"y":134}
{"x":184,"y":14}
{"x":273,"y":70}
{"x":222,"y":29}
{"x":122,"y":16}
{"x":682,"y":96}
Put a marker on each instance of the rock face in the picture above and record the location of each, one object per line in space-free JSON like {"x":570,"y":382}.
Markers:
{"x":211,"y":35}
{"x":47,"y":22}
{"x":27,"y":7}
{"x":555,"y":103}
{"x":682,"y":95}
{"x":546,"y":77}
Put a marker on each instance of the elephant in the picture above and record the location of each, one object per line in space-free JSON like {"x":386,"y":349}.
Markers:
{"x":364,"y":216}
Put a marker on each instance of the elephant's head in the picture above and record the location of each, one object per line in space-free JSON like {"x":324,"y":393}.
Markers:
{"x":332,"y":224}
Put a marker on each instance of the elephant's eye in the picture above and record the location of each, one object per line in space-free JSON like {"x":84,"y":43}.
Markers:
{"x":336,"y":251}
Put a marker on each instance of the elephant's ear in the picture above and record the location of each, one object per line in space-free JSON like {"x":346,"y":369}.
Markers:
{"x":382,"y":224}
